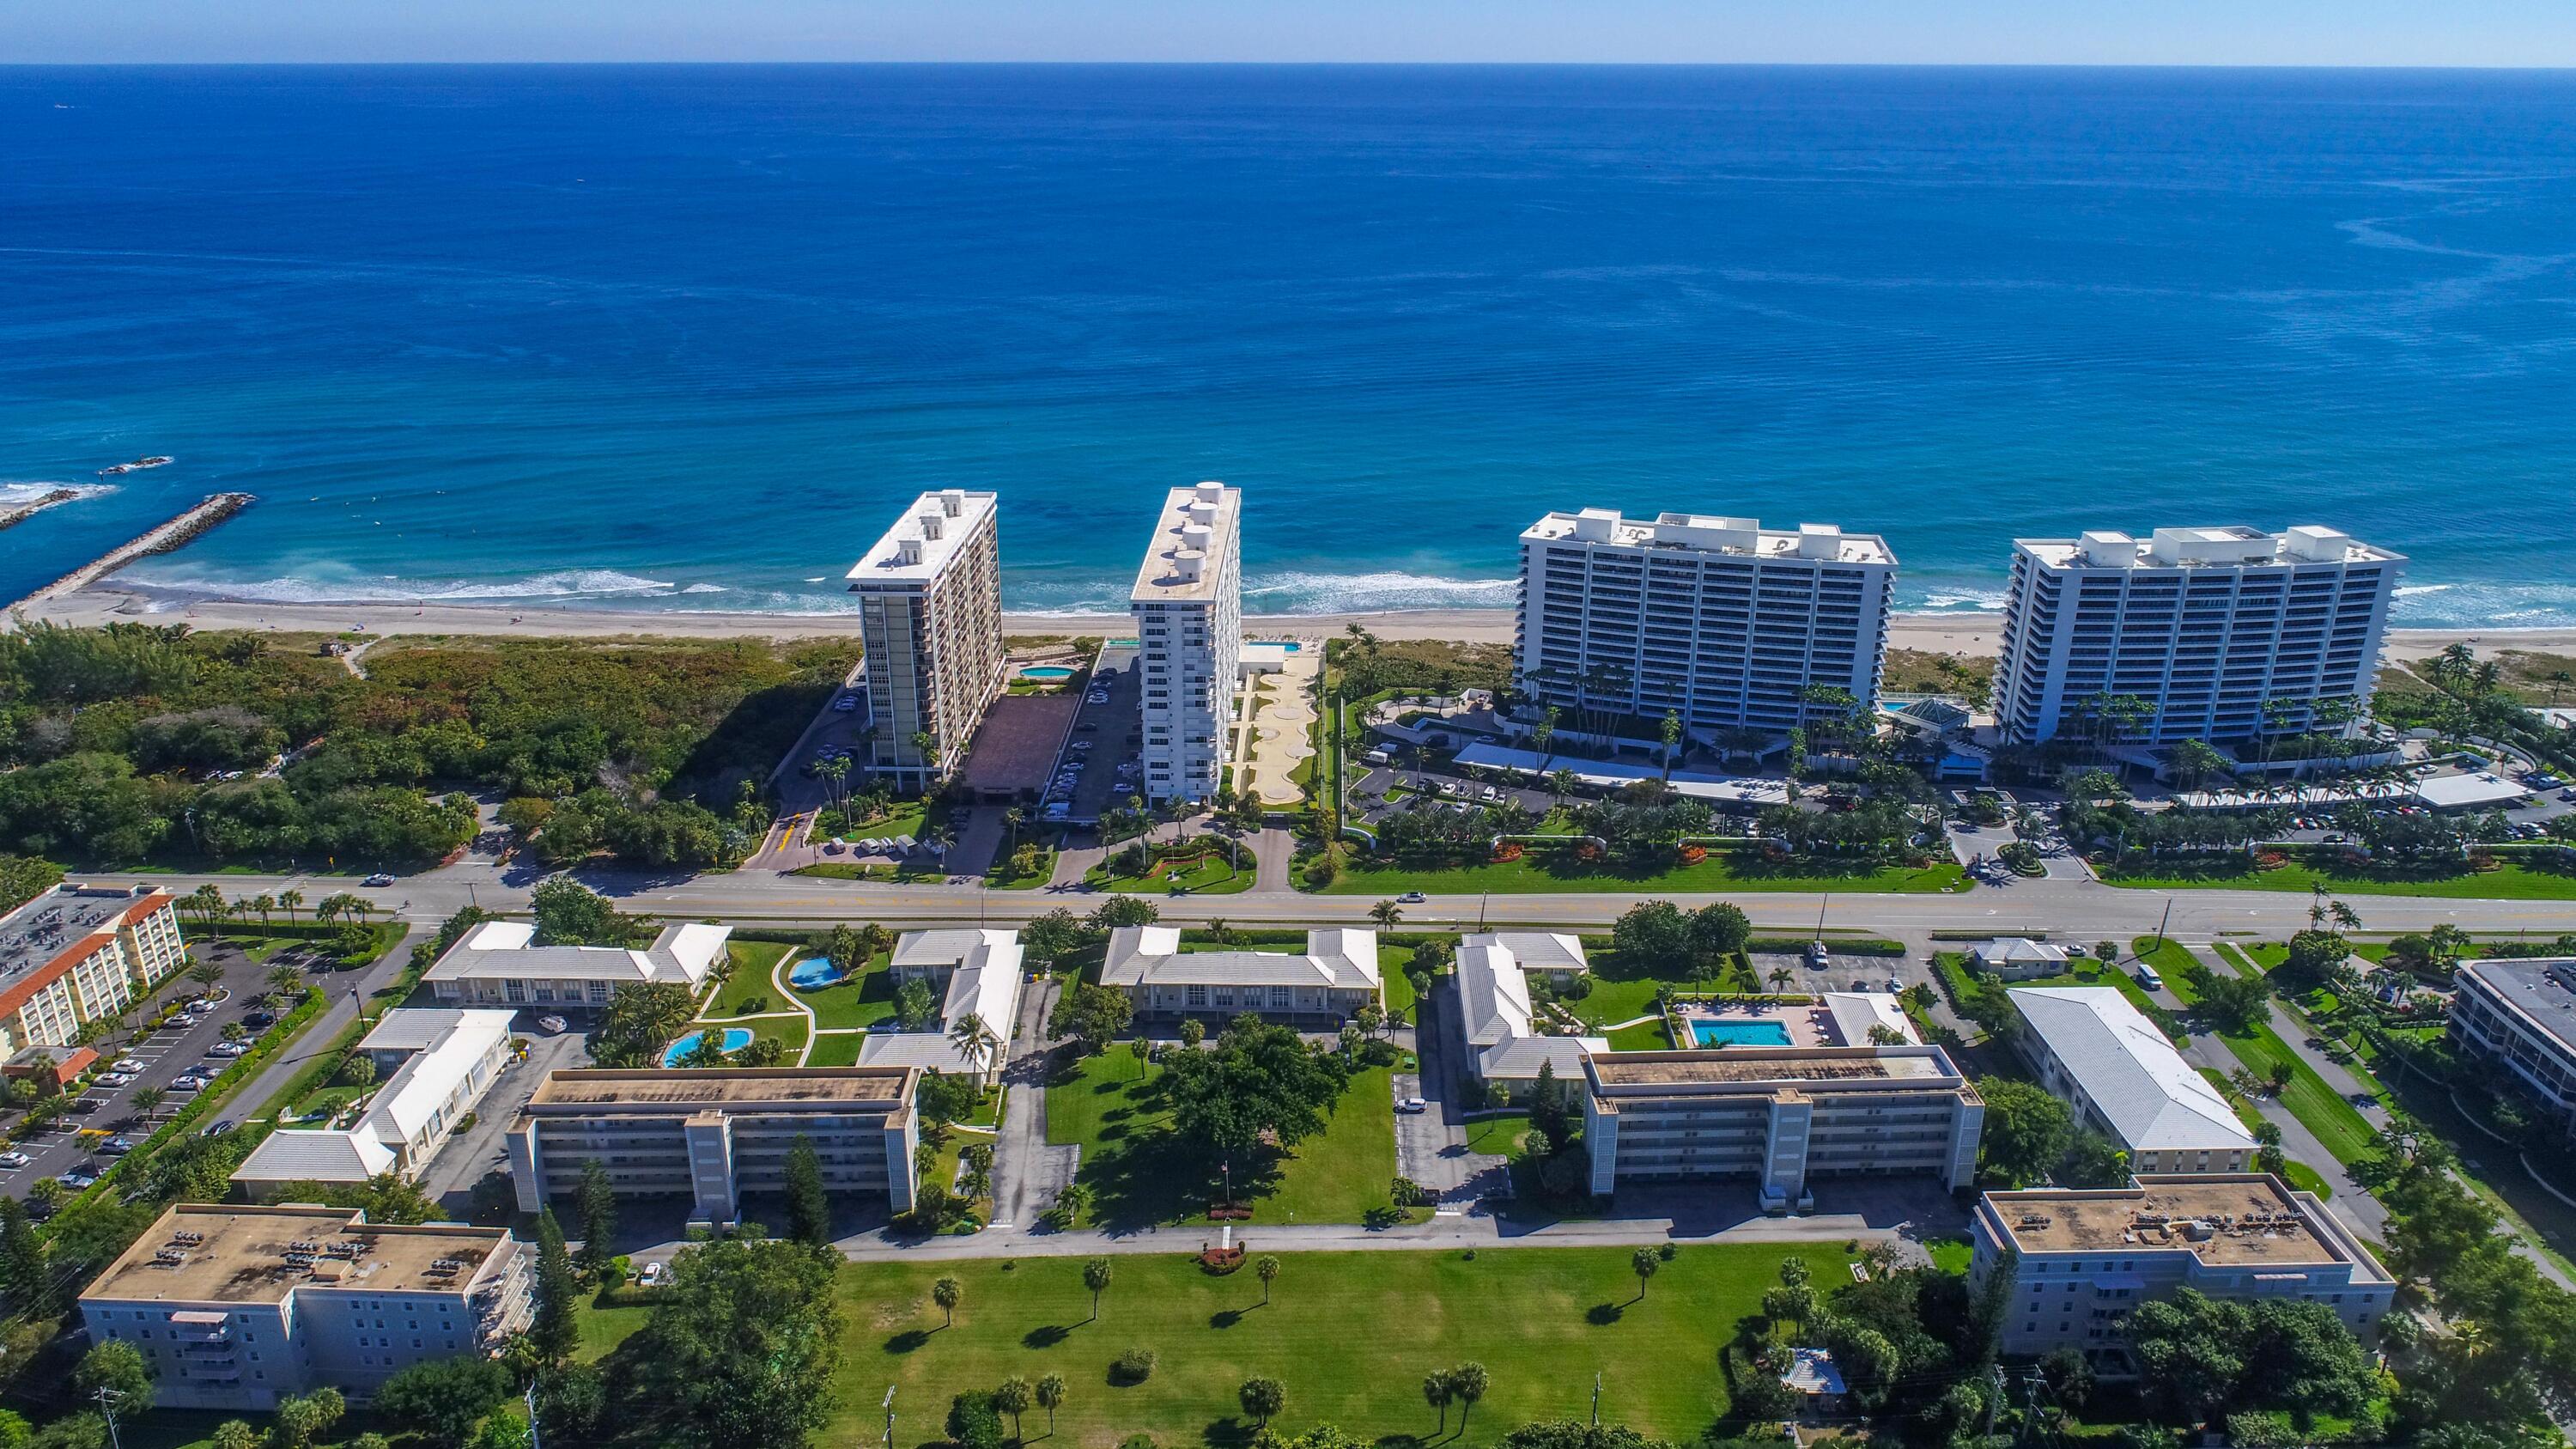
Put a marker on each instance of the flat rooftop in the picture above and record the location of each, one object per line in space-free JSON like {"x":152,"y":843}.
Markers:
{"x":725,"y":1087}
{"x":2220,"y":1220}
{"x":1708,"y":533}
{"x":2542,"y":988}
{"x":259,"y":1255}
{"x":1728,"y":1066}
{"x":1183,"y":566}
{"x":2224,"y":546}
{"x":1016,"y":746}
{"x":37,"y":933}
{"x":924,"y":539}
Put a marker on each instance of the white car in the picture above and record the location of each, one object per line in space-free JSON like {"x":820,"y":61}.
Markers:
{"x":652,"y":1276}
{"x":126,"y":1064}
{"x":227,"y":1049}
{"x":550,"y":1024}
{"x":1412,"y":1105}
{"x":1412,"y":898}
{"x":14,"y":1159}
{"x":116,"y":1079}
{"x":846,"y":703}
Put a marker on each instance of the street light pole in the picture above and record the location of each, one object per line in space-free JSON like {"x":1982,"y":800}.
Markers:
{"x":889,"y":1413}
{"x":2164,"y":921}
{"x":107,"y":1398}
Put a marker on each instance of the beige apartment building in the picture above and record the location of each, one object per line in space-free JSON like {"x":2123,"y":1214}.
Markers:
{"x":234,"y":1308}
{"x":1780,"y":1117}
{"x":80,"y":952}
{"x":930,"y":614}
{"x":712,"y":1134}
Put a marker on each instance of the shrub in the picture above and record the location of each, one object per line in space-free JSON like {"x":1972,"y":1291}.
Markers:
{"x":973,"y":1422}
{"x":1133,"y":1366}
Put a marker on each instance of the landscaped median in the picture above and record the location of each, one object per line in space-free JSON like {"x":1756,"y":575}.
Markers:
{"x":1349,"y":1335}
{"x":1203,"y":865}
{"x":1556,"y":869}
{"x":2510,"y":876}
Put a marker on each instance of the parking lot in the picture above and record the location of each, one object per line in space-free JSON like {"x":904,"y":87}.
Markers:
{"x":183,"y":1046}
{"x":1106,"y":737}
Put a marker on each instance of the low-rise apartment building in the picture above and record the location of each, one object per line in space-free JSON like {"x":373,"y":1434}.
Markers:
{"x":2521,"y":1015}
{"x":1500,"y":1020}
{"x":235,"y":1308}
{"x":2224,"y":633}
{"x":79,"y":952}
{"x":499,"y":964}
{"x":970,"y":972}
{"x":434,"y":1066}
{"x":1329,"y":984}
{"x":2081,"y":1260}
{"x":2102,"y":1057}
{"x":1780,"y":1117}
{"x":710,"y":1135}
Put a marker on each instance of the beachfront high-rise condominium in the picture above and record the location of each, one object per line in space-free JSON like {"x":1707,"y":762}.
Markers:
{"x":2191,"y":634}
{"x":1188,"y":606}
{"x":1728,"y":624}
{"x":930,"y":613}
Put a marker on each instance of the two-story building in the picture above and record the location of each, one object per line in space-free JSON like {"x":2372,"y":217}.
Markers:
{"x":2104,"y":1058}
{"x":2520,"y":1015}
{"x":1336,"y":976}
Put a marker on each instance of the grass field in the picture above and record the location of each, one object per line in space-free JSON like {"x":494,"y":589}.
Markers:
{"x":1499,"y":1135}
{"x":1001,"y":878}
{"x":1140,"y":1175}
{"x":837,"y":1049}
{"x":2172,"y":962}
{"x":1719,"y":872}
{"x":864,"y":1001}
{"x":2317,"y":1106}
{"x":1648,"y":1038}
{"x":1350,"y":1335}
{"x":1207,"y":875}
{"x":748,"y":989}
{"x":2511,"y":880}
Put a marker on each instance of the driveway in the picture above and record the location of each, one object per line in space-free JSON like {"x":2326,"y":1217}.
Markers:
{"x":469,"y":1155}
{"x":1028,"y":1171}
{"x":1431,"y":1146}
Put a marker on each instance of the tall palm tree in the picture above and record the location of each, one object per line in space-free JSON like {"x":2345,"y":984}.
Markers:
{"x":1386,"y":914}
{"x":1012,"y":819}
{"x":1781,"y":976}
{"x":263,"y":904}
{"x":974,"y":1040}
{"x":208,"y":902}
{"x":290,"y":902}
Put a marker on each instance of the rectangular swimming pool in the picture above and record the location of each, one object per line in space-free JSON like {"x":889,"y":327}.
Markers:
{"x":1739,"y":1033}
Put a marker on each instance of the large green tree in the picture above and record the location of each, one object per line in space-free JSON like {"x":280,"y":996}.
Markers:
{"x":740,"y":1350}
{"x":1258,"y":1078}
{"x":809,"y":1210}
{"x":2026,"y":1132}
{"x":571,"y":914}
{"x":444,"y":1398}
{"x":557,"y":1329}
{"x":642,"y":1017}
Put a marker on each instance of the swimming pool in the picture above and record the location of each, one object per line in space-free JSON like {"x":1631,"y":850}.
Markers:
{"x":735,"y":1038}
{"x":1739,"y":1033}
{"x":813,"y":971}
{"x":1046,"y":671}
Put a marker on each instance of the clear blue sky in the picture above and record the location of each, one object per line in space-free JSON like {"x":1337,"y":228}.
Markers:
{"x":2219,"y":32}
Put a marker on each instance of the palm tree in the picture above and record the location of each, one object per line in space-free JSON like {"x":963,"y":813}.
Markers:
{"x":1262,"y":1398}
{"x":1671,"y":731}
{"x":946,"y":1293}
{"x":206,"y":974}
{"x":208,"y":902}
{"x":1267,"y":1269}
{"x":1095,"y":1276}
{"x":1543,"y":736}
{"x":148,"y":1098}
{"x":1012,"y":819}
{"x":1013,"y":1397}
{"x":1386,"y":914}
{"x":926,"y":745}
{"x":974,"y":1040}
{"x":1467,"y":1383}
{"x":263,"y":904}
{"x":1435,"y":1392}
{"x":1781,"y":976}
{"x":290,"y":902}
{"x":1050,"y":1394}
{"x":1643,"y":1263}
{"x":284,"y":982}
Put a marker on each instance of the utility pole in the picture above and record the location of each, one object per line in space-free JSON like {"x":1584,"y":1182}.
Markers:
{"x":2163,"y":922}
{"x":1820,"y":914}
{"x":536,"y":1437}
{"x":107,"y":1398}
{"x":889,"y":1413}
{"x":1596,"y":1398}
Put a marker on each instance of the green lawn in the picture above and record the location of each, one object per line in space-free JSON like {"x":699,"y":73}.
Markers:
{"x":1498,"y":1135}
{"x":1140,"y":1175}
{"x":1000,"y":877}
{"x":2510,"y":880}
{"x":836,"y":1049}
{"x":1722,"y":871}
{"x":1648,"y":1038}
{"x":846,"y":1003}
{"x":2317,"y":1106}
{"x":2173,"y":962}
{"x":748,"y":989}
{"x":2299,"y":1173}
{"x":1349,"y":1334}
{"x":1207,"y":875}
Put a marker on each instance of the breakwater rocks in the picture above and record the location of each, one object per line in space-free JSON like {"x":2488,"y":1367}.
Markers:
{"x":19,"y":513}
{"x":175,"y":534}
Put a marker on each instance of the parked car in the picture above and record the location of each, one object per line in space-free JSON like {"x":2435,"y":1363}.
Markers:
{"x":228,"y":1049}
{"x":2148,"y":978}
{"x":846,"y":703}
{"x":87,"y":1105}
{"x":257,"y":1019}
{"x":1412,"y":1105}
{"x":1818,"y":956}
{"x":216,"y":1128}
{"x":79,"y":1177}
{"x":550,"y":1024}
{"x":652,"y":1276}
{"x":126,"y":1064}
{"x":13,"y":1158}
{"x":116,"y":1079}
{"x":118,"y":1146}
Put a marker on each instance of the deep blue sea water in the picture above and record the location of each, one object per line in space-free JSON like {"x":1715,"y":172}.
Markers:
{"x":684,"y":337}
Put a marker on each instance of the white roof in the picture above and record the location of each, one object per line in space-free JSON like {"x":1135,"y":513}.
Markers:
{"x":1855,"y":1012}
{"x":1544,"y":950}
{"x":927,"y":1050}
{"x":297,"y":1155}
{"x":2450,"y":792}
{"x":908,"y":552}
{"x":1493,"y":990}
{"x":418,"y":1028}
{"x":1152,"y":956}
{"x":500,"y":950}
{"x":1518,"y":1059}
{"x":986,"y":971}
{"x":417,"y":1089}
{"x":2016,"y":948}
{"x":2152,"y":1098}
{"x":1611,"y":774}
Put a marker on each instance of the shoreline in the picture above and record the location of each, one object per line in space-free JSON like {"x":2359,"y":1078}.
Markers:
{"x":1975,"y":635}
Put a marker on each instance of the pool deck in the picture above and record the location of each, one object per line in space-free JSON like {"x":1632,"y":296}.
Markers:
{"x":1808,"y":1026}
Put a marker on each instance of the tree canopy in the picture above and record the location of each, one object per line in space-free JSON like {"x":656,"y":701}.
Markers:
{"x":741,"y":1348}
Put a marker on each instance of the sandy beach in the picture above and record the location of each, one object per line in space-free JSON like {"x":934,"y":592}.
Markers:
{"x":1963,"y":634}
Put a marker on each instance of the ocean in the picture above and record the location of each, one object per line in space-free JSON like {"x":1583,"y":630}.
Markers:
{"x":686,"y":337}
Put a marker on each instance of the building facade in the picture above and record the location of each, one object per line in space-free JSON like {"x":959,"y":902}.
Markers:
{"x":235,"y":1308}
{"x":434,"y":1066}
{"x":930,"y":615}
{"x":499,"y":964}
{"x":1188,"y":608}
{"x":2101,"y":1056}
{"x":709,"y":1135}
{"x":2081,"y":1260}
{"x":2222,"y":633}
{"x":2521,"y":1015}
{"x":1336,"y":976}
{"x":77,"y":953}
{"x":1780,"y":1117}
{"x":1720,"y":620}
{"x":970,"y":972}
{"x":1499,"y":1020}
